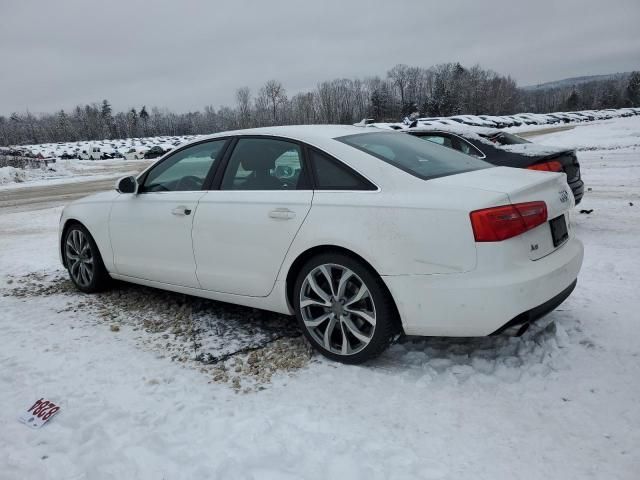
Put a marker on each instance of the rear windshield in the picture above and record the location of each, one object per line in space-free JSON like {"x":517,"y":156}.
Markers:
{"x":413,"y":155}
{"x":504,"y":138}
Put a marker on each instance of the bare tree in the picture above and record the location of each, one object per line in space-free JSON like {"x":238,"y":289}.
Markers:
{"x":243,"y":102}
{"x":400,"y":76}
{"x":444,"y":89}
{"x":276,"y":95}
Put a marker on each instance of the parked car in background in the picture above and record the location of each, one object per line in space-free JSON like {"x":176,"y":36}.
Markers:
{"x":559,"y":117}
{"x":111,"y":154}
{"x":360,"y":233}
{"x":154,"y":152}
{"x":502,"y":121}
{"x":508,"y":150}
{"x":135,"y":153}
{"x":473,"y":121}
{"x":90,"y":153}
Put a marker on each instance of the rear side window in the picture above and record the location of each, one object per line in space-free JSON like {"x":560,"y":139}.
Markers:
{"x":422,"y":159}
{"x":333,"y":175}
{"x":440,"y":140}
{"x":504,"y":138}
{"x":465,"y":147}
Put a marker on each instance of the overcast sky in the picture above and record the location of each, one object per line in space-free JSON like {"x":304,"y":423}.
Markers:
{"x":184,"y":54}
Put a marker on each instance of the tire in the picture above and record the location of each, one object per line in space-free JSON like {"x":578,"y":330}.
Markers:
{"x":83,"y":260}
{"x":345,"y":307}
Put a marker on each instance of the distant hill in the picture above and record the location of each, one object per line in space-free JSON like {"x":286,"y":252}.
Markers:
{"x":569,"y":82}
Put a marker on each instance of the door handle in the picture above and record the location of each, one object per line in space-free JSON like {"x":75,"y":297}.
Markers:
{"x":282,"y":214}
{"x":181,"y":211}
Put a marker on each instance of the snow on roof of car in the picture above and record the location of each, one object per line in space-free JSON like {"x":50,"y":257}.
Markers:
{"x":458,"y":128}
{"x":531,"y":149}
{"x":299,"y":132}
{"x":479,"y":134}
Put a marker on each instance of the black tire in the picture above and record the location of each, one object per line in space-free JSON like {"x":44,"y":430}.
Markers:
{"x":387,"y":323}
{"x":100,"y":279}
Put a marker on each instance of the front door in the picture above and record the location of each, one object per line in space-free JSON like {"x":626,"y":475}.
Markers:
{"x":151,"y":231}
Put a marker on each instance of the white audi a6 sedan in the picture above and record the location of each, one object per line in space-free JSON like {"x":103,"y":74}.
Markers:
{"x":361,"y":233}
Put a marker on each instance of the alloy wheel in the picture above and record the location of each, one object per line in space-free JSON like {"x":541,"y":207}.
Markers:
{"x":337,"y":309}
{"x":79,"y":258}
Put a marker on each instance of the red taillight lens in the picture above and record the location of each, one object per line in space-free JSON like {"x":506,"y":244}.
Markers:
{"x":552,"y":166}
{"x":499,"y":223}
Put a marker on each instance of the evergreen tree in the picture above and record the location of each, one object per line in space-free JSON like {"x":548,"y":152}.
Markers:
{"x":573,"y":102}
{"x":132,"y":121}
{"x":105,"y":111}
{"x":144,"y":116}
{"x":633,"y":88}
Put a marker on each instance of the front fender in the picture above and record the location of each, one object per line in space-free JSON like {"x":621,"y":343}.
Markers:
{"x":92,"y":212}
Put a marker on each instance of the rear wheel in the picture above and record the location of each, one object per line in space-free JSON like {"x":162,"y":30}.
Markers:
{"x":344,"y":308}
{"x":83,"y":260}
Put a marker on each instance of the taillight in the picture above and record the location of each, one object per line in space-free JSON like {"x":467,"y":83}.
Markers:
{"x":552,"y":166}
{"x":499,"y":223}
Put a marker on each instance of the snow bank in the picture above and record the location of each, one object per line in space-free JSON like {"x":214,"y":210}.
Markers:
{"x":11,"y":175}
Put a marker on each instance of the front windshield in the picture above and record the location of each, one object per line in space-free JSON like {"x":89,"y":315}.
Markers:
{"x":413,"y":155}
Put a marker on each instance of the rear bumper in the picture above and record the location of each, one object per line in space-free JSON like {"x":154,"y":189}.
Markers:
{"x":479,"y":303}
{"x":530,"y":316}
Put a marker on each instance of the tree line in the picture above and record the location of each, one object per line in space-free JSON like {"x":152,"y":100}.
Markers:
{"x":441,"y":90}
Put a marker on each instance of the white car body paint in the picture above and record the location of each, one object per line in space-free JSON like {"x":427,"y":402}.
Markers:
{"x":151,"y":236}
{"x":240,"y":238}
{"x":416,"y":234}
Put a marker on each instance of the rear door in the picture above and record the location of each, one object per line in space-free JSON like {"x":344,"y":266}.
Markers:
{"x":246,"y":223}
{"x":151,"y":231}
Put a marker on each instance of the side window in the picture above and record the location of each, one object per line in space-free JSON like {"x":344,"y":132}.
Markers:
{"x":467,"y":148}
{"x":439,"y":139}
{"x":264,"y":164}
{"x":186,"y":170}
{"x":464,"y":148}
{"x":333,"y":175}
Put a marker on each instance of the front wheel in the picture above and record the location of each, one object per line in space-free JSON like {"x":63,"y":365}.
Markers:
{"x":344,"y":308}
{"x":83,"y":260}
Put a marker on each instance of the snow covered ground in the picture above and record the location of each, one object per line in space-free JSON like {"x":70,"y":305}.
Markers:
{"x":19,"y":176}
{"x":69,"y":171}
{"x":563,"y":402}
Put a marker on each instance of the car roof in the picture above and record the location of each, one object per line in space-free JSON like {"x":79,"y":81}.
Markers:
{"x":298,"y":132}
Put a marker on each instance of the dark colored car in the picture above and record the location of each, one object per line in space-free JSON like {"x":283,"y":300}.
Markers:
{"x":507,"y":150}
{"x":111,"y":155}
{"x":154,"y":152}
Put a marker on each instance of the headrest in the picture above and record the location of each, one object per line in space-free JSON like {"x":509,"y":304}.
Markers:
{"x":260,"y":155}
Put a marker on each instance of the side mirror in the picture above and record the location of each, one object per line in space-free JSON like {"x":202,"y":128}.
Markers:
{"x":127,"y":185}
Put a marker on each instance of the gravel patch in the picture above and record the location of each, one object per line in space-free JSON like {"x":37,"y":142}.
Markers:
{"x":243,"y":347}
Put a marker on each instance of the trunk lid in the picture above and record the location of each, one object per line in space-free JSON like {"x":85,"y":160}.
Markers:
{"x":526,"y":186}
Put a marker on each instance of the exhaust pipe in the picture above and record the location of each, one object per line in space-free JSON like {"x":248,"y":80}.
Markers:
{"x":516,"y":329}
{"x":523,"y":328}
